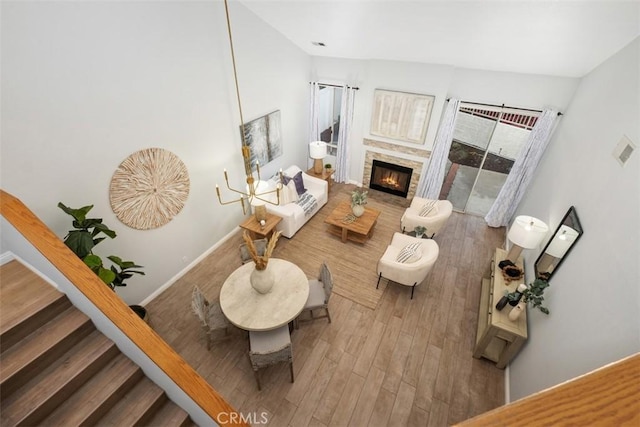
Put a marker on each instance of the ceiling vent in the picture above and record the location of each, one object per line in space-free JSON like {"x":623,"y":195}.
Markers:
{"x":623,"y":150}
{"x":318,"y":44}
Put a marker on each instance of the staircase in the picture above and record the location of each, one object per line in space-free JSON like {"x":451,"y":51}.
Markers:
{"x":57,"y":369}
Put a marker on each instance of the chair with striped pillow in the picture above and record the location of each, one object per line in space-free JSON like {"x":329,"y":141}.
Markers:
{"x":407,"y":260}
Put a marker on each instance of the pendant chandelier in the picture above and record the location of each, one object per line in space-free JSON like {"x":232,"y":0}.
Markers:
{"x":252,"y":192}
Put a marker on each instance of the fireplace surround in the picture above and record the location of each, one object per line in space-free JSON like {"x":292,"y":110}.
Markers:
{"x":390,"y":178}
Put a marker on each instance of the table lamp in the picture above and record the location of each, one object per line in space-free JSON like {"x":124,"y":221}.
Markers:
{"x":526,"y":232}
{"x":259,"y":206}
{"x":317,"y":151}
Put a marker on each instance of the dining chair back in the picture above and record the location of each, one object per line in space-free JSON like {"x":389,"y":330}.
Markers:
{"x":319,"y":294}
{"x":261,"y":247}
{"x":211,"y":317}
{"x":267,"y":348}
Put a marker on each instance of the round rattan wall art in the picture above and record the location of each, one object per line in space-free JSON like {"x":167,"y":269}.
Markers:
{"x":149,"y":188}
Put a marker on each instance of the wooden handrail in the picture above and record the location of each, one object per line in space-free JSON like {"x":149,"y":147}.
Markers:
{"x":72,"y":267}
{"x":609,"y":396}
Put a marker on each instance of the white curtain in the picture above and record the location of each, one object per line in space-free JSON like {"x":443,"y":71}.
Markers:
{"x":346,"y":117}
{"x":431,"y":182}
{"x":314,"y":102}
{"x":522,"y":171}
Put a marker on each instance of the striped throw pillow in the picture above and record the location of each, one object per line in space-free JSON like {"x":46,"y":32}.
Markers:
{"x":428,"y":207}
{"x":410,"y":253}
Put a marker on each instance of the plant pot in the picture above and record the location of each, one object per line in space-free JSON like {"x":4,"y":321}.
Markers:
{"x":516,"y":311}
{"x":262,"y":280}
{"x":140,"y":311}
{"x":357,"y":210}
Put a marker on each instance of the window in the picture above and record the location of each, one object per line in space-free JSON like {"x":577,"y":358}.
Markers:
{"x":329,"y":105}
{"x":486,"y":142}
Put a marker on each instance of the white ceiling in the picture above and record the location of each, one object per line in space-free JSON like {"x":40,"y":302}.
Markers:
{"x":563,"y":38}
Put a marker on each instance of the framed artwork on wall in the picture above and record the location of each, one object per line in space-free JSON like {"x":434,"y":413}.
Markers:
{"x":264,"y":138}
{"x":400,"y":115}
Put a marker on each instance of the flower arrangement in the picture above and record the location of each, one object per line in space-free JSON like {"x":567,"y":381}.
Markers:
{"x":358,"y":197}
{"x":533,"y":294}
{"x":261,"y":261}
{"x":420,"y":230}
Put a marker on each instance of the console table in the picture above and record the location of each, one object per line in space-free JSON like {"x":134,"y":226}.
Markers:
{"x":498,"y":338}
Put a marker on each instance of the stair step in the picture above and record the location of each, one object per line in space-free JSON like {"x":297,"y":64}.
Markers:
{"x":170,"y":414}
{"x":94,"y":399}
{"x":26,"y":303}
{"x":42,"y":348}
{"x":37,"y":398}
{"x":137,"y":406}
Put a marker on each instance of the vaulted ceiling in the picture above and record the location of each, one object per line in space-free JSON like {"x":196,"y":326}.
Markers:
{"x":562,"y":38}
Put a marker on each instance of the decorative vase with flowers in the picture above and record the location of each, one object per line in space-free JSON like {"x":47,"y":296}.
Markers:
{"x":261,"y":277}
{"x":358,"y":200}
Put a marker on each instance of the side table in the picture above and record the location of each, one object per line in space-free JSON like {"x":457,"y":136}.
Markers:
{"x":326,"y":175}
{"x":256,"y":231}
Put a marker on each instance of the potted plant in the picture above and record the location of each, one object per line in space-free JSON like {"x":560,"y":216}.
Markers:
{"x":420,"y":230}
{"x":328,"y":167}
{"x":532,"y":294}
{"x":358,"y":200}
{"x":87,"y":233}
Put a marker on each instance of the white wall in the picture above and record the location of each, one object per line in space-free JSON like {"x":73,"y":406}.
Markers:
{"x":594,"y":296}
{"x":85,"y":84}
{"x":442,"y":81}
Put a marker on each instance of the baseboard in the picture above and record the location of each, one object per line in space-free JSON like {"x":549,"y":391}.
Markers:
{"x":507,"y":389}
{"x":185,"y":270}
{"x":6,"y":257}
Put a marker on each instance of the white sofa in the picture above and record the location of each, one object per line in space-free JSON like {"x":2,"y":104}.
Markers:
{"x":292,"y":214}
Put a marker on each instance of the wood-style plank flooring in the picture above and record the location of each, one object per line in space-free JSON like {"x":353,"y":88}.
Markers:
{"x":406,"y":363}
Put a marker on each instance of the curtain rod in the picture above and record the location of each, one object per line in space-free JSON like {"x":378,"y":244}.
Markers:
{"x":330,"y":85}
{"x":502,"y":106}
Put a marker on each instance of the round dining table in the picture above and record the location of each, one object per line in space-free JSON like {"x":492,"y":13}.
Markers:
{"x":250,"y":310}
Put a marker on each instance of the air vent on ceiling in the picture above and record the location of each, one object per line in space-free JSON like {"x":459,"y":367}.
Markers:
{"x":318,"y":44}
{"x":623,"y":150}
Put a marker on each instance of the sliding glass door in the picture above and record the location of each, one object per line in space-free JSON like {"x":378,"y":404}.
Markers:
{"x":485,"y":144}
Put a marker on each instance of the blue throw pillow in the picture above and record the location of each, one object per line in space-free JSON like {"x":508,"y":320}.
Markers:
{"x":297,"y":180}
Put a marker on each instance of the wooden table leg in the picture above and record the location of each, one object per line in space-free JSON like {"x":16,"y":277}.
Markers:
{"x":345,"y":232}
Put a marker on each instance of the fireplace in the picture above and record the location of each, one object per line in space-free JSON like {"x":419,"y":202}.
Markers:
{"x":390,"y":178}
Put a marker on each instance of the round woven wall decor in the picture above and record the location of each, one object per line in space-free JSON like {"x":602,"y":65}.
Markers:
{"x":149,"y":188}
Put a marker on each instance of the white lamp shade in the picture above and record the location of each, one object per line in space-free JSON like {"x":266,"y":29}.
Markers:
{"x":527,"y":232}
{"x":318,"y":150}
{"x":561,"y":242}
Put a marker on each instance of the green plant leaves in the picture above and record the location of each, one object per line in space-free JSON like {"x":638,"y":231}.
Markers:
{"x":87,"y":233}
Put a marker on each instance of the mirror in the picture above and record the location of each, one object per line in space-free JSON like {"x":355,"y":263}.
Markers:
{"x":556,"y":250}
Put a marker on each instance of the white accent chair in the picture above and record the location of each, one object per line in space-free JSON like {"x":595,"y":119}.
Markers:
{"x":319,"y":293}
{"x":211,"y":316}
{"x":433,"y":221}
{"x":410,"y":273}
{"x":267,"y":348}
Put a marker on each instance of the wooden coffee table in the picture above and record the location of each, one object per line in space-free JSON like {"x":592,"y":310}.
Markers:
{"x":359,"y":230}
{"x":258,"y":232}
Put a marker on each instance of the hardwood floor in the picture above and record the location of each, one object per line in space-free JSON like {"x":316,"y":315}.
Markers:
{"x":404,"y":363}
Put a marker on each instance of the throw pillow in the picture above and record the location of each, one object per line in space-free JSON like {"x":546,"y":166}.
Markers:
{"x":428,"y":208}
{"x":410,"y":253}
{"x":293,"y":192}
{"x":297,"y":179}
{"x":285,"y":196}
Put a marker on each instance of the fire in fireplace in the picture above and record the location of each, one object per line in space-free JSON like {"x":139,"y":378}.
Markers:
{"x":390,"y":178}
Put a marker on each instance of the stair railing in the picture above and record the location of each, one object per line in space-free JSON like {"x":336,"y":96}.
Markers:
{"x":140,"y":333}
